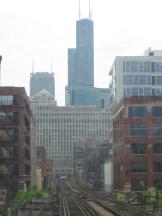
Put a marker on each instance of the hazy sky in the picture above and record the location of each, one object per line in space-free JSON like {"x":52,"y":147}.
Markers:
{"x":43,"y":30}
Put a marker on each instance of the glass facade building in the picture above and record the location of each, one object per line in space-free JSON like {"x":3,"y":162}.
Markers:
{"x":80,"y":90}
{"x":81,"y":58}
{"x":88,"y":96}
{"x":40,"y":81}
{"x":136,"y":76}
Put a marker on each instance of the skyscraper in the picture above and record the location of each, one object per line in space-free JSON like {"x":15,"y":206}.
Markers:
{"x":81,"y":59}
{"x":40,"y":81}
{"x":80,"y":90}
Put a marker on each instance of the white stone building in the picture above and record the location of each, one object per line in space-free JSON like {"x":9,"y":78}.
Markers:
{"x":137,"y":75}
{"x":60,"y":128}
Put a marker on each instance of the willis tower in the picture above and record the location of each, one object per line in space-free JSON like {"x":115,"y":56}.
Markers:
{"x":80,"y":90}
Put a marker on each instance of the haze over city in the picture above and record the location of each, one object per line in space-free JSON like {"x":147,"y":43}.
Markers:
{"x":42,"y":31}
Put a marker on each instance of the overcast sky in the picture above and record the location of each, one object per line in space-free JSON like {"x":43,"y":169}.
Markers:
{"x":43,"y":30}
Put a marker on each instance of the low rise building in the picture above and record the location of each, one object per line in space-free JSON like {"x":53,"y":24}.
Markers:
{"x":16,"y":124}
{"x":137,"y":143}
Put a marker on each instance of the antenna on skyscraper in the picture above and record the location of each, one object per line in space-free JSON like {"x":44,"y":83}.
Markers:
{"x":90,"y":13}
{"x":32,"y":66}
{"x":79,"y":10}
{"x":51,"y":66}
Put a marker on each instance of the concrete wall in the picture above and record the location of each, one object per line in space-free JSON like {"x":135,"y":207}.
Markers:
{"x":108,"y":176}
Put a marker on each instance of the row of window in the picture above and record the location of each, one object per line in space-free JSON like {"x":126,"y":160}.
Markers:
{"x":141,"y":130}
{"x":6,"y":100}
{"x":142,"y":91}
{"x":142,"y":166}
{"x":140,"y":67}
{"x":141,"y":112}
{"x":142,"y":148}
{"x":8,"y":117}
{"x":142,"y":80}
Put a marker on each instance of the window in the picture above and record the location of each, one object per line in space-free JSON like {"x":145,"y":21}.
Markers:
{"x":138,"y":148}
{"x":157,"y":112}
{"x":8,"y":117}
{"x":158,"y":92}
{"x":8,"y":135}
{"x":142,"y":79}
{"x":158,"y":80}
{"x":6,"y":100}
{"x":137,"y":112}
{"x":147,"y":66}
{"x":138,"y":185}
{"x":153,"y":80}
{"x":128,"y":79}
{"x":157,"y":148}
{"x":158,"y":166}
{"x":138,"y":167}
{"x":158,"y":66}
{"x":134,"y":66}
{"x":152,"y":66}
{"x":157,"y":130}
{"x":138,"y":130}
{"x":147,"y":91}
{"x":134,"y":91}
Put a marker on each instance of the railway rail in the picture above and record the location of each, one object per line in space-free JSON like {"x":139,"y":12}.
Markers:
{"x":109,"y":203}
{"x":71,"y":204}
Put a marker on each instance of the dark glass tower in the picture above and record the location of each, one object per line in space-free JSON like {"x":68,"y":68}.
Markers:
{"x":80,"y":90}
{"x":40,"y":81}
{"x":81,"y":59}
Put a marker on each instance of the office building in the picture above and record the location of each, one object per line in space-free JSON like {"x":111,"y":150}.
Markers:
{"x":81,"y":59}
{"x":17,"y":139}
{"x":137,"y":143}
{"x":137,"y":75}
{"x":80,"y":90}
{"x":87,"y":96}
{"x":40,"y":81}
{"x":59,"y":129}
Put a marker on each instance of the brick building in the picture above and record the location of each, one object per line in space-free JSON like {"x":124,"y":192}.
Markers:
{"x":46,"y":167}
{"x":16,"y":157}
{"x":137,"y":143}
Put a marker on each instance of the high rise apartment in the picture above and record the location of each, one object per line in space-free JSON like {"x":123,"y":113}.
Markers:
{"x":40,"y":81}
{"x":60,"y":129}
{"x":137,"y":75}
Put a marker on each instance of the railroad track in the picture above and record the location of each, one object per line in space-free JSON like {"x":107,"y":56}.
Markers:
{"x":109,"y":202}
{"x":72,"y":204}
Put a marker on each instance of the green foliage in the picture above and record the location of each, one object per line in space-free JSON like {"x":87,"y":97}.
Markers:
{"x":22,"y":197}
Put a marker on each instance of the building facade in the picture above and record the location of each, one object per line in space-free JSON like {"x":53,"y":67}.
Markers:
{"x":46,"y":167}
{"x":137,"y":143}
{"x":137,"y":75}
{"x":40,"y":81}
{"x":16,"y":157}
{"x":59,"y":129}
{"x":88,"y":96}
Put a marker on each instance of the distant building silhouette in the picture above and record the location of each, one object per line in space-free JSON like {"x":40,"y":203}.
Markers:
{"x":40,"y":81}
